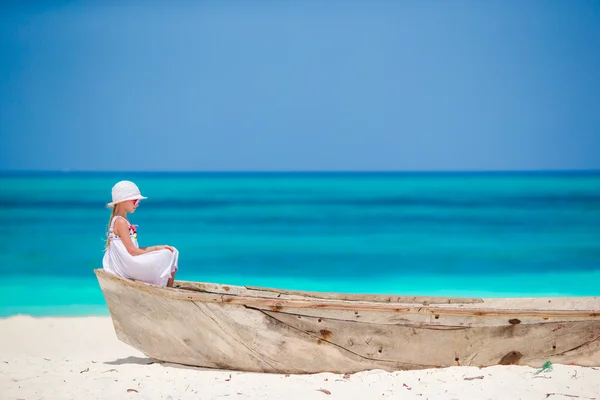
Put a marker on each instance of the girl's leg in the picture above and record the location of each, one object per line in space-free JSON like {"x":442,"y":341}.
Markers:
{"x":171,"y":279}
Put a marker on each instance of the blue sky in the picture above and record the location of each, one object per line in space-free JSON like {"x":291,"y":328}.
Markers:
{"x":300,"y":85}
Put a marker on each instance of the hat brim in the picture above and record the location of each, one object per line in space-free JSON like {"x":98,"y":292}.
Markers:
{"x":136,"y":197}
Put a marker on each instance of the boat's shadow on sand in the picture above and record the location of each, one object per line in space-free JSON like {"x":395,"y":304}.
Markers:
{"x":149,"y":361}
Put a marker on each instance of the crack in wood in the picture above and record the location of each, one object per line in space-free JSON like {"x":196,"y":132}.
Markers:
{"x":569,"y":395}
{"x":578,"y":347}
{"x":259,"y":356}
{"x":430,"y":327}
{"x":470,"y":359}
{"x":342,"y":347}
{"x":376,"y":298}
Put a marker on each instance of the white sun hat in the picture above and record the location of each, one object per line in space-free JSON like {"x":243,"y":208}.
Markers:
{"x":124,"y":191}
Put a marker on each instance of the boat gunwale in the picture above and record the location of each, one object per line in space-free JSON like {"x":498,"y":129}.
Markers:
{"x":484,"y":308}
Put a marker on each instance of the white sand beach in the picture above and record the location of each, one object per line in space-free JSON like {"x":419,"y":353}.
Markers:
{"x":81,"y":358}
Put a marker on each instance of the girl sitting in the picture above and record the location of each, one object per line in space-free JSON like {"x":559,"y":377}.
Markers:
{"x":123,"y":256}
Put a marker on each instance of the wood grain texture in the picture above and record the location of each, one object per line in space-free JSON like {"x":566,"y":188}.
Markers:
{"x":268,"y":330}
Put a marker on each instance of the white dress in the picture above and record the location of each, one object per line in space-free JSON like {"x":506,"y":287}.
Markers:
{"x":154,"y":267}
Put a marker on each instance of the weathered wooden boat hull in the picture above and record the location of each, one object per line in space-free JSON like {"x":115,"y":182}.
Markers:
{"x":269,"y":330}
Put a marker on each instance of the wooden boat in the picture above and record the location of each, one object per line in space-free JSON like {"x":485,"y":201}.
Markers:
{"x":284,"y":331}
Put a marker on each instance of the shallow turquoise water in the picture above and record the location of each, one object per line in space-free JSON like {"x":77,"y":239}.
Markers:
{"x":431,"y":234}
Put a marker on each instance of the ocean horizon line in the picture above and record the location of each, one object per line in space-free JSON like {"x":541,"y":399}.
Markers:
{"x":299,"y":173}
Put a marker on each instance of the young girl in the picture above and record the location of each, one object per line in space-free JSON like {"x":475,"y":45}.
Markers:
{"x":123,"y":257}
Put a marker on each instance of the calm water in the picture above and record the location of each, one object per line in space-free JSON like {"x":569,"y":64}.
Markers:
{"x":430,"y":234}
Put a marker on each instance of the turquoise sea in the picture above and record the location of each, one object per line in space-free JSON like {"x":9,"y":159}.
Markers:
{"x":479,"y":234}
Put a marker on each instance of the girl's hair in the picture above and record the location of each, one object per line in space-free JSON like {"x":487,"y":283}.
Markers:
{"x":112,"y":214}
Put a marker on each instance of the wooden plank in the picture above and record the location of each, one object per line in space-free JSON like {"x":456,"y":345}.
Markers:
{"x":478,"y":346}
{"x":428,"y":317}
{"x":572,"y":307}
{"x":293,"y":336}
{"x":223,"y":336}
{"x":283,"y":294}
{"x":378,"y":298}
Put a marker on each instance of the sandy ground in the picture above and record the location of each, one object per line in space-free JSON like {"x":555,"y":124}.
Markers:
{"x":81,"y":358}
